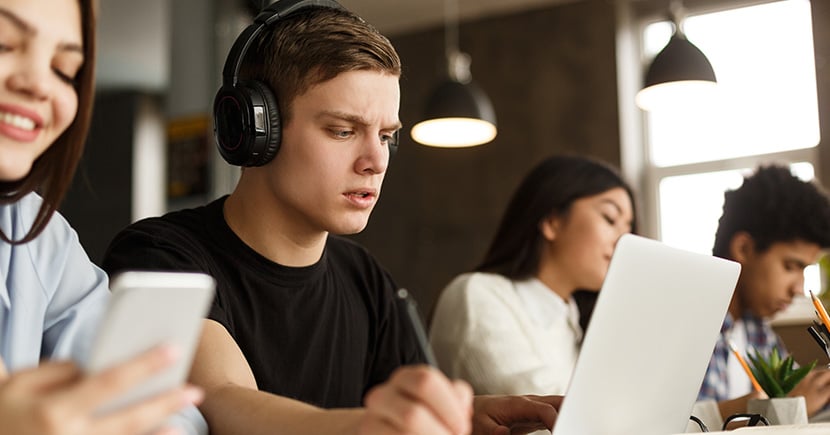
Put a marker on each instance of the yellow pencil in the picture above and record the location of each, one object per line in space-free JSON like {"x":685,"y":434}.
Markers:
{"x":746,"y":367}
{"x":822,"y":313}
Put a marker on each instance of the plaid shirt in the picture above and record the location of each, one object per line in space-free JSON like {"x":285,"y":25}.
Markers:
{"x":760,"y":337}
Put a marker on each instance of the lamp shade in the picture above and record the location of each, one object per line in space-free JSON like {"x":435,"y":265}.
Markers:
{"x":457,"y":115}
{"x":679,"y":73}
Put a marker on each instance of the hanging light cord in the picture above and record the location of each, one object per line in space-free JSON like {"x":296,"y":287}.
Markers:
{"x":450,"y":26}
{"x":458,"y":63}
{"x":677,"y":14}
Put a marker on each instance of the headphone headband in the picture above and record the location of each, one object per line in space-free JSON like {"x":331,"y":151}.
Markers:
{"x":273,"y":12}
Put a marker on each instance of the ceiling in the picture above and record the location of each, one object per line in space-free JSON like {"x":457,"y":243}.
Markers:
{"x":393,"y":17}
{"x":145,"y":29}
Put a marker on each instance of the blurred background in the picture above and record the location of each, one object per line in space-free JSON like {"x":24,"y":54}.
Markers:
{"x":561,"y":75}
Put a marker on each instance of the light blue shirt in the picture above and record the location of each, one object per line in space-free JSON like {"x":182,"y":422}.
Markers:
{"x":52,"y":296}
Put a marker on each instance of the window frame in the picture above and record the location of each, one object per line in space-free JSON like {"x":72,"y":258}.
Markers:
{"x":632,"y":19}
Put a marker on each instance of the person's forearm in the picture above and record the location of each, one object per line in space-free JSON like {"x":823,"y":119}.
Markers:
{"x":232,"y":410}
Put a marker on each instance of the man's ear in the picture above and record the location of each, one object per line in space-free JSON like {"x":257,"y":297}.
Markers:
{"x":741,"y":247}
{"x":549,"y":227}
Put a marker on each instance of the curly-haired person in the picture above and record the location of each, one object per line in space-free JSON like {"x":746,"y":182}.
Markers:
{"x":774,"y":225}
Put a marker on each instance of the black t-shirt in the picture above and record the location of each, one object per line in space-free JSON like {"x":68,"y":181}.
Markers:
{"x":324,"y":334}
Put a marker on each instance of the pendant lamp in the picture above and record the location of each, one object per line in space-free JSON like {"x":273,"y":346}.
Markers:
{"x":680,"y":73}
{"x":458,"y":113}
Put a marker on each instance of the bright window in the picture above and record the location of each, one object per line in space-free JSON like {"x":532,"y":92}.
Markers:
{"x":764,"y":62}
{"x":767,"y":111}
{"x":701,"y":196}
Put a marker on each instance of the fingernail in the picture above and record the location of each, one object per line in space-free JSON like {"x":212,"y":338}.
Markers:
{"x":193,"y":395}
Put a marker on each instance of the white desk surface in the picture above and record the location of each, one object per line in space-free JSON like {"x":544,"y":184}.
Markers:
{"x":800,"y":429}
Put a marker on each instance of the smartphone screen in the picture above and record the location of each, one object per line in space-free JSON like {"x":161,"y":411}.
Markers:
{"x":149,"y":309}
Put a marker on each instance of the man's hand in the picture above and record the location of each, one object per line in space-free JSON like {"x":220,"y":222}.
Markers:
{"x":506,"y":415}
{"x":418,"y":400}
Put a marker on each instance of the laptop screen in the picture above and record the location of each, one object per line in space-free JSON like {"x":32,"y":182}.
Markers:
{"x":651,"y":336}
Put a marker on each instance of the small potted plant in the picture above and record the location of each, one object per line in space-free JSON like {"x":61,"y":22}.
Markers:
{"x":777,"y":377}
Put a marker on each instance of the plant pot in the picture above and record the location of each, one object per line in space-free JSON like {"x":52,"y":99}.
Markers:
{"x":780,"y":410}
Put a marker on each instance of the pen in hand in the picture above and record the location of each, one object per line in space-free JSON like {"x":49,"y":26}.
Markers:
{"x":417,"y":326}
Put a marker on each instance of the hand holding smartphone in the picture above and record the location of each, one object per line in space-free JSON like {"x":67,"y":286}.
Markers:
{"x":149,"y":309}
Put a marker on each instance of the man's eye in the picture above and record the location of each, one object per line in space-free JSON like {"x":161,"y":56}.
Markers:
{"x":343,"y":134}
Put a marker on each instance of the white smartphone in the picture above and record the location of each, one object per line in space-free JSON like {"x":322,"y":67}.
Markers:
{"x":148,"y":309}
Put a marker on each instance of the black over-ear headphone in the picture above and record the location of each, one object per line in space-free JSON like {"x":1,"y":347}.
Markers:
{"x":246,"y":118}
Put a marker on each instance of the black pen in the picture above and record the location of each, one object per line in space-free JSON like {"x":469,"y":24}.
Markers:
{"x":818,"y":336}
{"x":417,"y":326}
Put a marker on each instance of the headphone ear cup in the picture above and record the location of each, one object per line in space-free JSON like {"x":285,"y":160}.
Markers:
{"x":230,"y":123}
{"x":246,"y":118}
{"x":269,"y":144}
{"x":246,"y":123}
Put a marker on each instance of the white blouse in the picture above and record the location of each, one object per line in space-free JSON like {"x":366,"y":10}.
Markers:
{"x":506,"y":337}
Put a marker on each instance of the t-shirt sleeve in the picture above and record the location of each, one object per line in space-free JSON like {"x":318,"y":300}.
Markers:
{"x":145,"y":246}
{"x":153,"y":244}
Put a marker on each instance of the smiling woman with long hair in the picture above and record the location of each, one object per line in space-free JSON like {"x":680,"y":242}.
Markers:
{"x":51,"y":295}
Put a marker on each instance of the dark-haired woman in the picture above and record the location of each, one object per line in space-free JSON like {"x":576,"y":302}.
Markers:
{"x":512,"y":325}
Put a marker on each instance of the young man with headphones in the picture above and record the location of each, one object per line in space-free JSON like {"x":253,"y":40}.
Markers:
{"x":305,"y":328}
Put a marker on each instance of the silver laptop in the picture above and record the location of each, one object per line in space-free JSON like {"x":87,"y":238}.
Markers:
{"x":651,"y":335}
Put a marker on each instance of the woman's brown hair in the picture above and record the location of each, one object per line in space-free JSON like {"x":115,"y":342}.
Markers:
{"x":52,"y":172}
